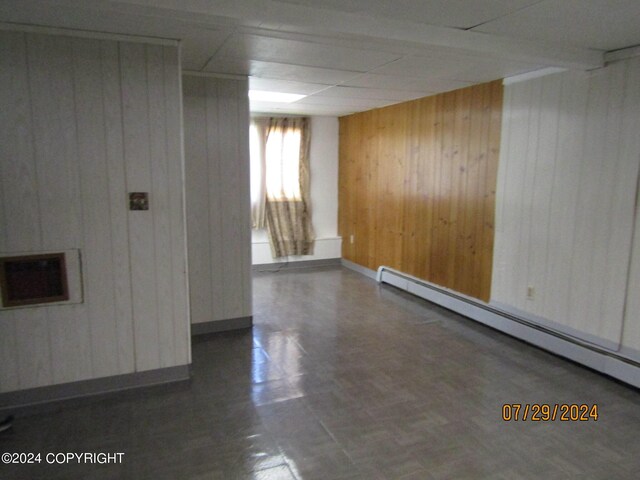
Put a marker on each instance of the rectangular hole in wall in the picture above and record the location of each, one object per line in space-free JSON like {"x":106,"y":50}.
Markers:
{"x":33,"y":279}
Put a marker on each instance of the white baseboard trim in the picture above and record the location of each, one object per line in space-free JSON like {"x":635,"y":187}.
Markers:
{"x":593,"y":356}
{"x":216,"y":326}
{"x":277,"y":267}
{"x":359,"y":268}
{"x":323,"y":249}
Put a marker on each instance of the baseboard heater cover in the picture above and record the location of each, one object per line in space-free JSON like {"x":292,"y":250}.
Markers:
{"x":599,"y":359}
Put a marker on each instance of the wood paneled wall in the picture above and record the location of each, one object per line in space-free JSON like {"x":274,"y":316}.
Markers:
{"x":566,"y":197}
{"x":216,"y":134}
{"x":417,"y":187}
{"x":82,"y":122}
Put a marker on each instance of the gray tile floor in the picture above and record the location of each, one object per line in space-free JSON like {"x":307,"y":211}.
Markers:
{"x":343,"y":379}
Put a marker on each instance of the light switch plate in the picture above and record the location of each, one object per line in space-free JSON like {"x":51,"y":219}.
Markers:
{"x":138,"y":200}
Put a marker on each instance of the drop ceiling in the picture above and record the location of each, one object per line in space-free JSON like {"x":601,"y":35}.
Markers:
{"x":354,"y":55}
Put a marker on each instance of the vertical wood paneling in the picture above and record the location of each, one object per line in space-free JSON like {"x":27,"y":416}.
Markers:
{"x":590,"y":194}
{"x":244,"y":196}
{"x":178,"y":226}
{"x":97,"y":248}
{"x":9,"y":376}
{"x":573,"y":105}
{"x":437,"y":230}
{"x":217,"y":306}
{"x":366,"y":202}
{"x":345,"y":202}
{"x":20,"y":191}
{"x":52,"y":90}
{"x":197,"y":177}
{"x":233,"y":220}
{"x":21,"y":217}
{"x":629,"y":144}
{"x":69,"y":155}
{"x":410,"y":173}
{"x":528,"y":174}
{"x":136,"y":125}
{"x":631,"y":328}
{"x":160,"y":181}
{"x":388,"y":206}
{"x":462,"y":191}
{"x":476,"y":182}
{"x":618,"y":206}
{"x":56,"y":163}
{"x":566,"y":206}
{"x":545,"y":175}
{"x":218,"y":213}
{"x":118,"y":215}
{"x":417,"y":188}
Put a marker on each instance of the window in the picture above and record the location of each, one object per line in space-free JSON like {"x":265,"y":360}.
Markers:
{"x":275,"y":146}
{"x":280,"y":183}
{"x":283,"y":164}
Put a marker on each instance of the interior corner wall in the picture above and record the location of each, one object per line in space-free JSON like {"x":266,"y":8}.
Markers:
{"x":566,"y":202}
{"x":83,"y":122}
{"x":417,"y":187}
{"x":216,"y":139}
{"x":323,"y":162}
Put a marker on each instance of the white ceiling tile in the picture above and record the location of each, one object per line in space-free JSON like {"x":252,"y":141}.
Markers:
{"x":300,"y":73}
{"x":398,"y":82}
{"x":456,"y":66}
{"x":270,"y":49}
{"x":380,"y":52}
{"x":298,"y":109}
{"x":271,"y":85}
{"x":279,"y":71}
{"x":598,"y":24}
{"x":374,"y":93}
{"x":451,"y":13}
{"x":345,"y":102}
{"x":198,"y":44}
{"x":233,"y":66}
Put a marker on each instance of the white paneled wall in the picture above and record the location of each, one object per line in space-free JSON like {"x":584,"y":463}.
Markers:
{"x":566,"y":196}
{"x":84,"y":122}
{"x":631,"y":333}
{"x":216,"y":136}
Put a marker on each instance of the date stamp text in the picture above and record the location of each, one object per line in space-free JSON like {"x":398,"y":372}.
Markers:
{"x":545,"y":412}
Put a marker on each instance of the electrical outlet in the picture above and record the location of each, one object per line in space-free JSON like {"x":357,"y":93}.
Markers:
{"x":351,"y":238}
{"x":531,"y":293}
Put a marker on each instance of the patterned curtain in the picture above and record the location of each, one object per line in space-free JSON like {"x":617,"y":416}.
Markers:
{"x":287,"y":208}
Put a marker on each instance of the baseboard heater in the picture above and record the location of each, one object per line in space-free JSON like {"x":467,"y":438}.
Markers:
{"x":601,"y":360}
